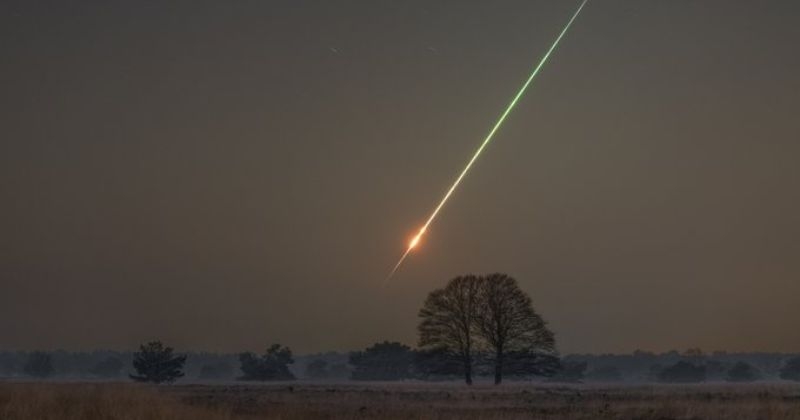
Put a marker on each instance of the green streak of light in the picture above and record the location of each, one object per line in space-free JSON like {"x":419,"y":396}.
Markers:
{"x":489,"y":137}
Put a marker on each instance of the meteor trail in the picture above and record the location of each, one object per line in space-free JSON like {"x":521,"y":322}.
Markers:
{"x":415,"y":241}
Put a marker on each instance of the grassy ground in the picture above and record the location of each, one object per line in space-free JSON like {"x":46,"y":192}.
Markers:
{"x":397,"y":401}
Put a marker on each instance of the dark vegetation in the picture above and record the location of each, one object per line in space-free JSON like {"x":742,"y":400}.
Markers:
{"x":216,"y":371}
{"x":683,"y":372}
{"x":478,"y":321}
{"x":38,"y":365}
{"x":474,"y":327}
{"x":635,"y":367}
{"x":570,"y":372}
{"x":391,"y":401}
{"x":157,"y":364}
{"x":108,"y":368}
{"x":791,"y":371}
{"x":273,"y":365}
{"x":604,"y":374}
{"x":743,"y":372}
{"x":383,"y":362}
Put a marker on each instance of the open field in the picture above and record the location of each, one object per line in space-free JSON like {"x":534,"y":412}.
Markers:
{"x":58,"y":401}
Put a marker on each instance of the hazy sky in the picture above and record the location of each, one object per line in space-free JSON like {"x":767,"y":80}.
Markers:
{"x":225,"y":175}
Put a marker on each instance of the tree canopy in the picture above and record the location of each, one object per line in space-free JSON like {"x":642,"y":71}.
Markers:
{"x":157,"y":363}
{"x":273,"y":365}
{"x":488,"y":316}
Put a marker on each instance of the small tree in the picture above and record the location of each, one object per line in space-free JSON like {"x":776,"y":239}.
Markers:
{"x":791,"y":370}
{"x":448,"y":320}
{"x":382,"y":362}
{"x":157,"y":364}
{"x":110,"y":367}
{"x":742,"y":372}
{"x":272,"y":366}
{"x":39,"y":365}
{"x":507,"y":322}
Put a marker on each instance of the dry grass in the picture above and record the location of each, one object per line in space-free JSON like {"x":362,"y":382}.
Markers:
{"x":106,"y":401}
{"x":449,"y":401}
{"x":398,"y":401}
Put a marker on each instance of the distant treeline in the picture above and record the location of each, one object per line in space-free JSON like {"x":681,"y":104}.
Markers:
{"x":474,"y":327}
{"x":394,"y":361}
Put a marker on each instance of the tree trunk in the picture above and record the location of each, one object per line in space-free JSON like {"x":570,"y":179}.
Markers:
{"x":468,"y":372}
{"x":498,"y":367}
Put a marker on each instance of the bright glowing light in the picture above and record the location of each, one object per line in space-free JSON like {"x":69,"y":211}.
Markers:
{"x":486,"y":141}
{"x":415,"y":241}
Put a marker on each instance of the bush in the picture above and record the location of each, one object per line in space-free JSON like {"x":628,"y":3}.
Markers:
{"x":272,"y":366}
{"x":157,"y":364}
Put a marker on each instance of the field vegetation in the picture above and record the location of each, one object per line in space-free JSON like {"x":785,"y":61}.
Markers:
{"x":405,"y":400}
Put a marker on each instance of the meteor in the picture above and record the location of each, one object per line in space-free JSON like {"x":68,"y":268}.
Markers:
{"x":416,"y":239}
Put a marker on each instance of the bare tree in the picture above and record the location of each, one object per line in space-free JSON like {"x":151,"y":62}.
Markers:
{"x":507,"y":322}
{"x":448,"y":320}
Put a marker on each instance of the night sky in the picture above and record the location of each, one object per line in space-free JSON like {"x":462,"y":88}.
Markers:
{"x":225,"y":175}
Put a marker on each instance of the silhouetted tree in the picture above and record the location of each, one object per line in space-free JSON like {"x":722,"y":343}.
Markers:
{"x":791,"y":370}
{"x":272,"y":366}
{"x":507,"y":322}
{"x":448,"y":321}
{"x":742,"y":372}
{"x":157,"y":363}
{"x":110,"y":367}
{"x":39,"y":365}
{"x":382,"y":362}
{"x":683,"y":372}
{"x":317,"y":369}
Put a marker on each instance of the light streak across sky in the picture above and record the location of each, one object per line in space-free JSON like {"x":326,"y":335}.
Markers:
{"x":416,"y":239}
